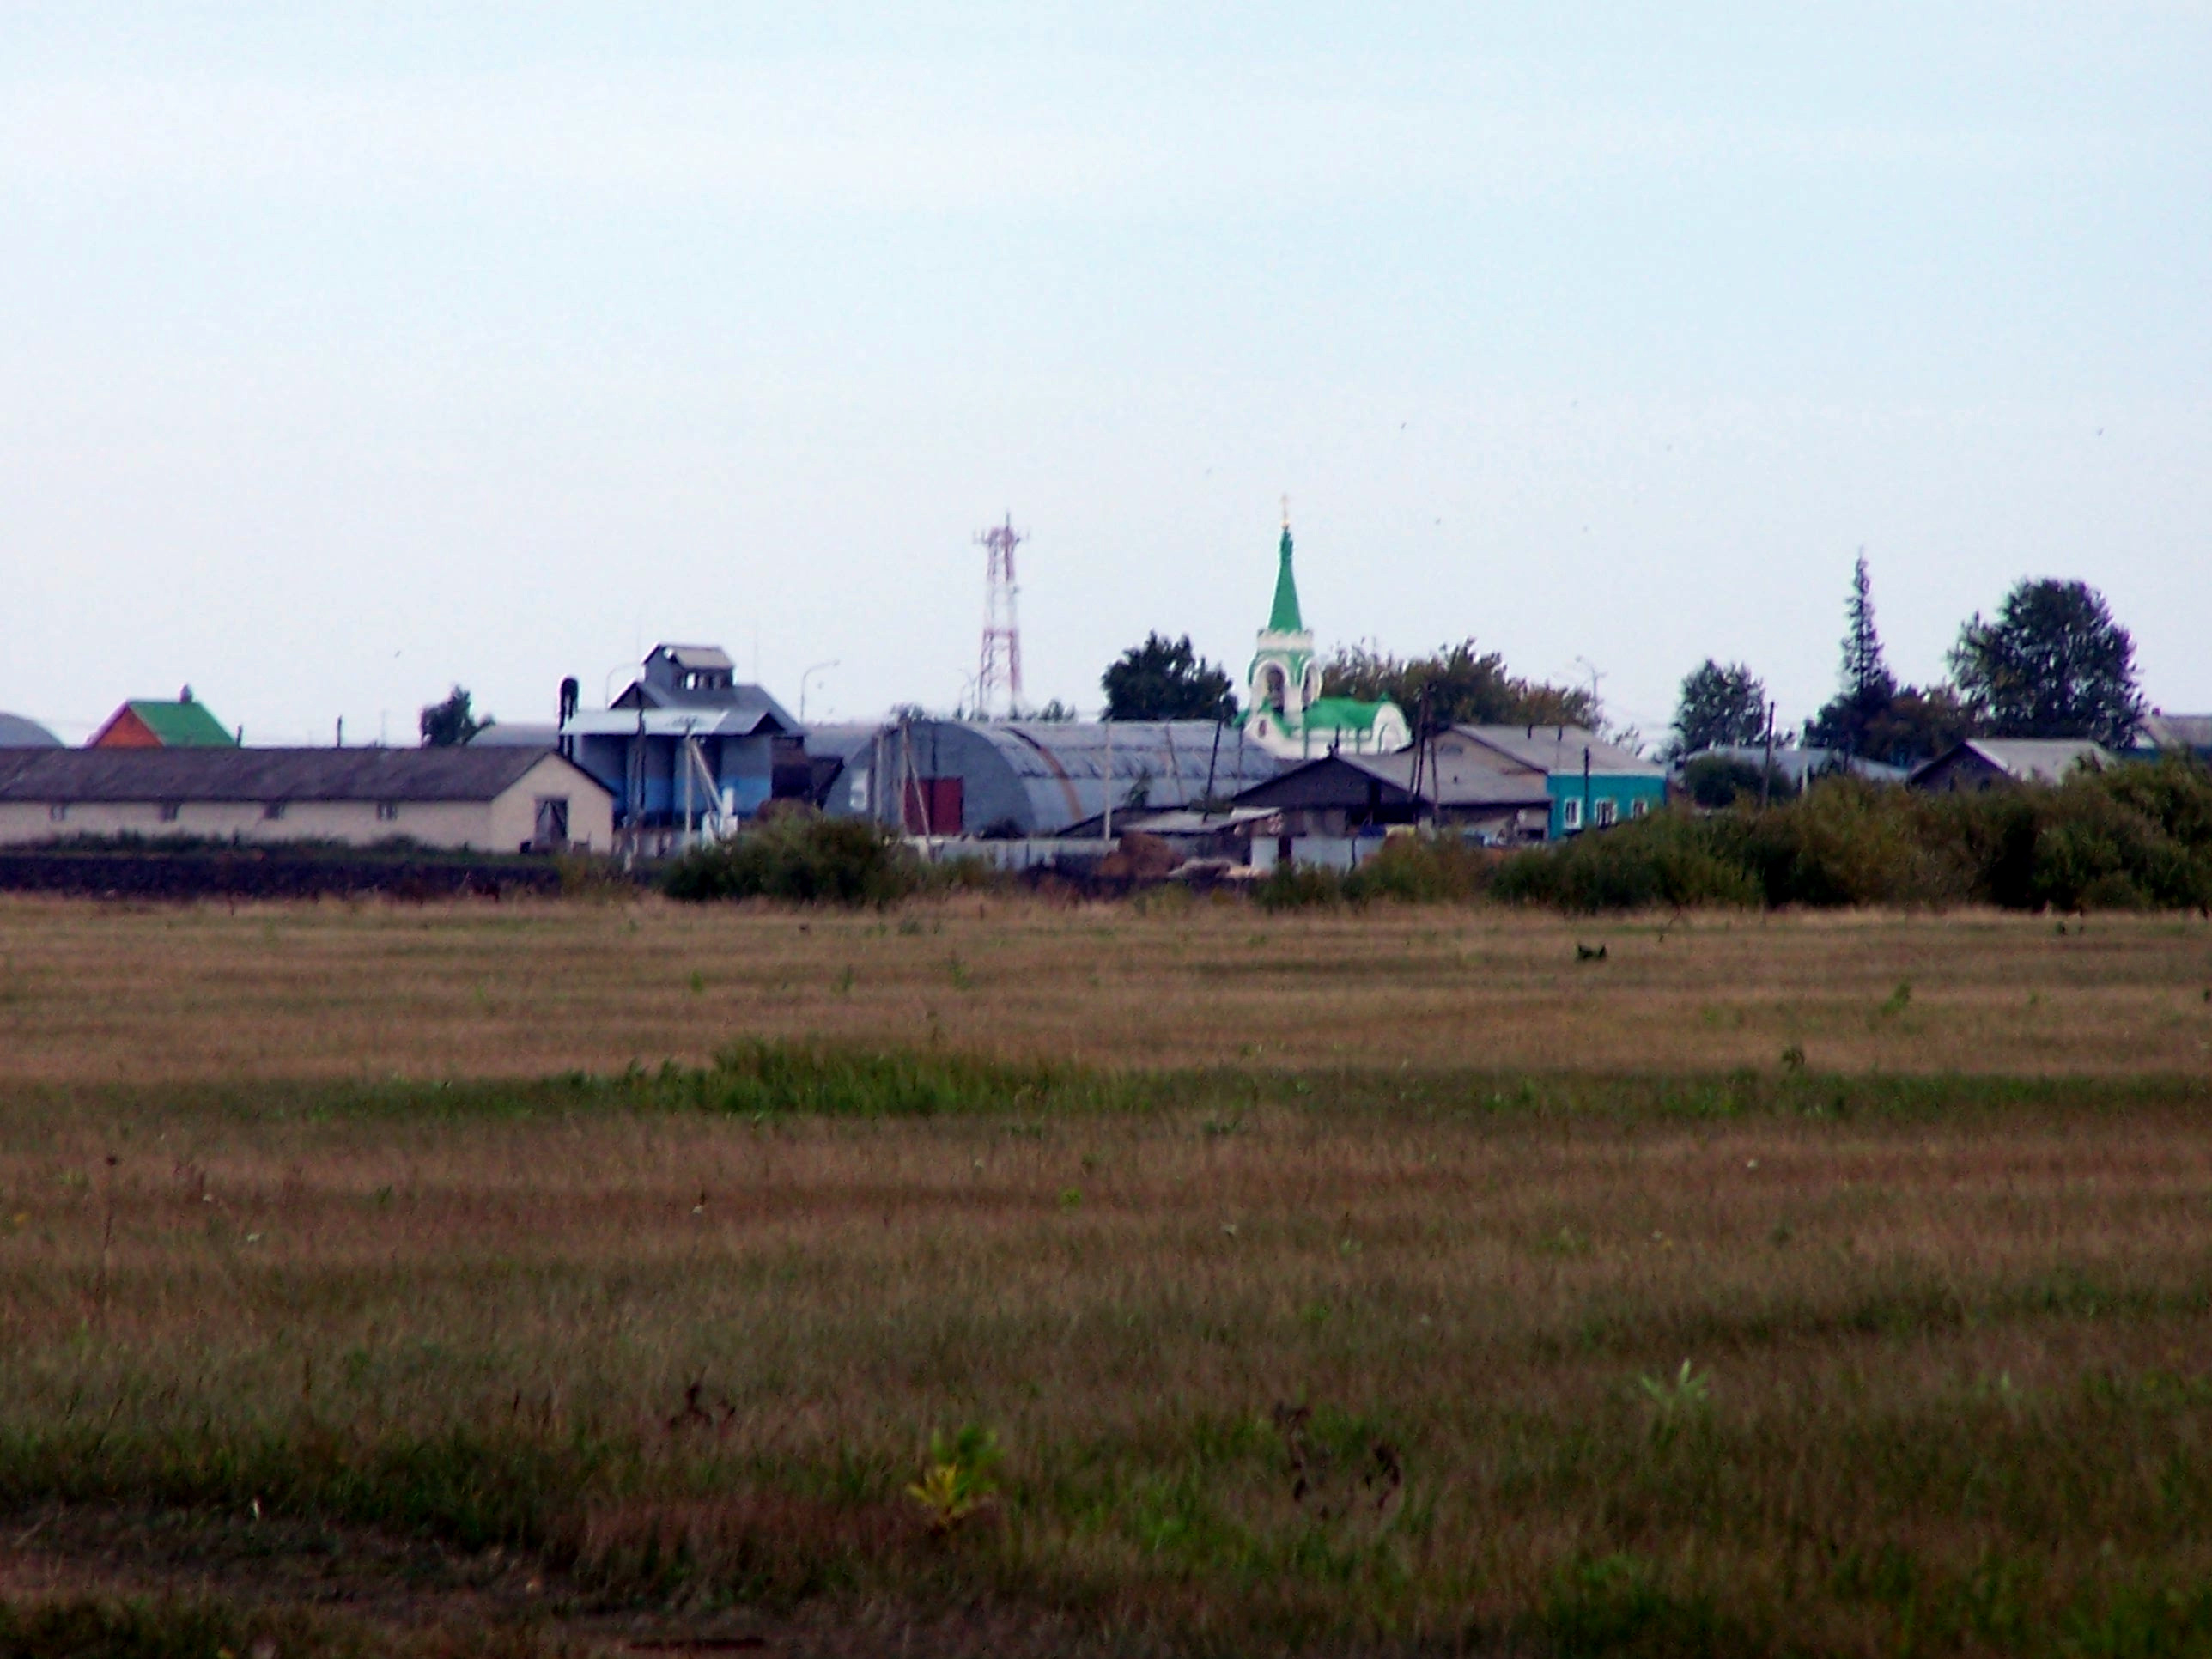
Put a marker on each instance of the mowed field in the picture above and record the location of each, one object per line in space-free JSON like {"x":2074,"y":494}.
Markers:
{"x":416,"y":1279}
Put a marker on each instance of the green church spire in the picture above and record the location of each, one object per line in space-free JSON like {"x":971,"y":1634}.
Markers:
{"x":1285,"y":618}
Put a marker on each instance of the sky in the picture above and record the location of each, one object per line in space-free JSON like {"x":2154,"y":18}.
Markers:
{"x":348,"y":352}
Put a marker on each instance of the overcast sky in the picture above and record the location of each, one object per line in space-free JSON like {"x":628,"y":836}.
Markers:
{"x":349,"y":351}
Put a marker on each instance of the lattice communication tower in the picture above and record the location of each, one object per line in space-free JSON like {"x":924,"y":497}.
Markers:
{"x":999,"y":675}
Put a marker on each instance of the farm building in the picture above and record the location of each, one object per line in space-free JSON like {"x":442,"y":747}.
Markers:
{"x":17,"y":732}
{"x":1592,"y":782}
{"x":500,"y":800}
{"x":144,"y":723}
{"x":686,"y":744}
{"x":1996,"y":763}
{"x":1335,"y":809}
{"x":1023,"y":778}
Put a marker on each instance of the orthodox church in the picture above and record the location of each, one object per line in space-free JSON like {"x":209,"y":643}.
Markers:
{"x":1285,"y":711}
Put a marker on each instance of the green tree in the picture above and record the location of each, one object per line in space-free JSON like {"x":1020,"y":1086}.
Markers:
{"x":2053,"y":664}
{"x":1872,"y":716}
{"x":1463,"y":687}
{"x":451,"y":723}
{"x":1720,"y":706}
{"x":1868,"y":688}
{"x":1915,"y":726}
{"x":1165,"y":679}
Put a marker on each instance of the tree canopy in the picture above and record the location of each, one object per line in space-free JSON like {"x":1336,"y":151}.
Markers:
{"x":1871,"y":715}
{"x":451,"y":723}
{"x":1463,"y":686}
{"x":1165,"y":679}
{"x":1721,"y":707}
{"x":2051,"y":664}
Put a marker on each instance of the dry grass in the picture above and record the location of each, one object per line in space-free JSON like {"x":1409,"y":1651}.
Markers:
{"x":1950,"y":1388}
{"x":92,"y":994}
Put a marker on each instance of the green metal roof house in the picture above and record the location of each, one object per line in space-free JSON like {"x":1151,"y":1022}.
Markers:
{"x":143,"y":723}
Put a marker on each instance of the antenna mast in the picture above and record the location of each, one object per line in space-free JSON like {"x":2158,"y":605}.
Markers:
{"x":998,"y":675}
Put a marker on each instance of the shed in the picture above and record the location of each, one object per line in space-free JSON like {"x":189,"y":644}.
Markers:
{"x":489,"y":799}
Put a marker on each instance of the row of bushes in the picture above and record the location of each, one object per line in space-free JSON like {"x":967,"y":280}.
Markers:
{"x":2136,"y":837}
{"x":805,"y":858}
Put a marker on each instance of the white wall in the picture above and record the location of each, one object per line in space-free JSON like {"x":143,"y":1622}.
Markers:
{"x":502,"y":825}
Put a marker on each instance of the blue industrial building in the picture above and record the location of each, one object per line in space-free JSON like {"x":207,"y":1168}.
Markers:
{"x":686,"y":746}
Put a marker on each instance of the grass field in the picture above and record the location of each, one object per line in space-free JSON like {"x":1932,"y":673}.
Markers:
{"x":1397,"y":1282}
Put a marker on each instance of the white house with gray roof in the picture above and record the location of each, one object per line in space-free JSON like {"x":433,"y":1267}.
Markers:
{"x":493,"y":800}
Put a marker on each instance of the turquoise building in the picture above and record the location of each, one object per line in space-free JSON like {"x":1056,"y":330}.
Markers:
{"x":1594,"y":784}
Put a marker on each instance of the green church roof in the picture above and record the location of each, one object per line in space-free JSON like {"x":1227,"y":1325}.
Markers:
{"x":1342,"y":713}
{"x":183,"y":725}
{"x":1285,"y":618}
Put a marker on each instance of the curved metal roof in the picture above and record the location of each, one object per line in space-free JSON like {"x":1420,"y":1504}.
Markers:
{"x":17,"y":732}
{"x":1053,"y":774}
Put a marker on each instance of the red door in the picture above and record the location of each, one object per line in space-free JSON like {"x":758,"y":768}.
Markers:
{"x":934,"y":806}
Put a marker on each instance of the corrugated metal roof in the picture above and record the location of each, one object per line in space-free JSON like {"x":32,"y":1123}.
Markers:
{"x":17,"y":732}
{"x":686,"y":719}
{"x":1061,"y":769}
{"x":1558,"y":749}
{"x":747,"y":707}
{"x":269,"y":775}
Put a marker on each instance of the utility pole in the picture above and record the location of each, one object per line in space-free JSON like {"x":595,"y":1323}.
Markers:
{"x":1766,"y":777}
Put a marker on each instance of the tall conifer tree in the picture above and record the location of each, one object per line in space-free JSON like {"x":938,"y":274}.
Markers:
{"x":1867,"y":679}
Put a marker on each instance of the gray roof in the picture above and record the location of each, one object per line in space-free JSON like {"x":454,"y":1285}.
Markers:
{"x":2159,"y":732}
{"x":1797,"y":764}
{"x":707,"y":658}
{"x":1455,"y":780}
{"x":517,"y":734}
{"x":16,"y":733}
{"x":1042,"y":775}
{"x":844,"y":741}
{"x":1342,"y":780}
{"x":741,"y":709}
{"x":2029,"y":760}
{"x":1558,"y":749}
{"x":268,"y":775}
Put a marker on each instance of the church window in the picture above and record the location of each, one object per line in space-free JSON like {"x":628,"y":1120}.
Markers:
{"x":1274,"y":688}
